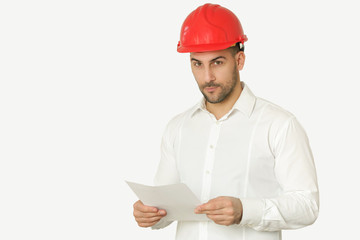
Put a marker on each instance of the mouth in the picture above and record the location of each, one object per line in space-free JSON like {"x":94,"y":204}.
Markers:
{"x":211,"y":89}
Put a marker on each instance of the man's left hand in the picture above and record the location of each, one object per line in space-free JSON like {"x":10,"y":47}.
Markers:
{"x":222,"y":210}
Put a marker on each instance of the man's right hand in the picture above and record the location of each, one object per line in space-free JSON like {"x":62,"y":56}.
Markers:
{"x":147,"y":216}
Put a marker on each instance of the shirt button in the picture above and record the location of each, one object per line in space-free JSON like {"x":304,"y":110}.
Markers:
{"x":207,"y":172}
{"x":211,"y":146}
{"x":217,"y":122}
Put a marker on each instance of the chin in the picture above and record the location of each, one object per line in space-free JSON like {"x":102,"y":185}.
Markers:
{"x":212,"y":100}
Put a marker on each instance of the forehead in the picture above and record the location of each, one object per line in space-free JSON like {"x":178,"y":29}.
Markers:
{"x":208,"y":56}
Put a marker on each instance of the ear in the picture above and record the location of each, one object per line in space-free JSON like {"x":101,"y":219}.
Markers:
{"x":240,"y":60}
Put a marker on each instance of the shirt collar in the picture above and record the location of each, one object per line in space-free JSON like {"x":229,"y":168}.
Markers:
{"x":244,"y":104}
{"x":246,"y":101}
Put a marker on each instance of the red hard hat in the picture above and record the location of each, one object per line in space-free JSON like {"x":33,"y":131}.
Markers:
{"x":208,"y":28}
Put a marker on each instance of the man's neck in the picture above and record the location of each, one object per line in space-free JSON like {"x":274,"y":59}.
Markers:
{"x":222,"y":108}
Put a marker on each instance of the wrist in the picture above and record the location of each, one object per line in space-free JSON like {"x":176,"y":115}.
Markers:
{"x":240,"y":211}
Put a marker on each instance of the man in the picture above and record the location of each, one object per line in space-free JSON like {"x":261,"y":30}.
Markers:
{"x":246,"y":159}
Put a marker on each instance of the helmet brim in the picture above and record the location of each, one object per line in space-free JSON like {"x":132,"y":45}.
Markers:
{"x":207,"y":47}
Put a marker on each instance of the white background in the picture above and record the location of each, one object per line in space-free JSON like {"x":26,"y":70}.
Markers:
{"x":87,"y":87}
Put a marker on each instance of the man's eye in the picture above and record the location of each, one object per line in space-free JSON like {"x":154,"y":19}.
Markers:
{"x":197,"y":64}
{"x":218,"y":62}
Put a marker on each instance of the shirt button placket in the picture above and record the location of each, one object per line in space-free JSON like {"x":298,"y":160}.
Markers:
{"x":209,"y":161}
{"x":207,"y":177}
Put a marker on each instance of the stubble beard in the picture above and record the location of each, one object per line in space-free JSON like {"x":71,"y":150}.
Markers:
{"x":225,"y":92}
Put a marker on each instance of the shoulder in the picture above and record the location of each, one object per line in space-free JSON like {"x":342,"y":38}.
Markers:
{"x":272,"y":112}
{"x":276,"y":119}
{"x":279,"y":121}
{"x":177,"y":121}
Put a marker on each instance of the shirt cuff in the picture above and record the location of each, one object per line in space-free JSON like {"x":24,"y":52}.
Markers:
{"x":253,"y":210}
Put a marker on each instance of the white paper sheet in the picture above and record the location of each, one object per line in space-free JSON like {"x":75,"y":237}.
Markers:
{"x":177,"y":199}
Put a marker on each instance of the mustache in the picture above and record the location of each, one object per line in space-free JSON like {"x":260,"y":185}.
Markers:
{"x":211,"y":85}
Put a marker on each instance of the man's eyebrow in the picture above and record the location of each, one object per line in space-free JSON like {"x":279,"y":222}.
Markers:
{"x":212,"y":60}
{"x":194,"y":59}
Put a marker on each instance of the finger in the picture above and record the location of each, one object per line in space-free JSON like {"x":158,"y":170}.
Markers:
{"x":162,"y":212}
{"x":208,"y":207}
{"x":216,"y":203}
{"x":214,"y":212}
{"x":223,"y":211}
{"x":220,"y":219}
{"x":139,"y":206}
{"x":143,"y":224}
{"x":149,"y":220}
{"x":140,"y":214}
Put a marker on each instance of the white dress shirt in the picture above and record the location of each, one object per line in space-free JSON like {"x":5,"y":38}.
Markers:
{"x":257,"y":152}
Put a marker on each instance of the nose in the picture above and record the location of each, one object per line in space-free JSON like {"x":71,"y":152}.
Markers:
{"x":209,"y":75}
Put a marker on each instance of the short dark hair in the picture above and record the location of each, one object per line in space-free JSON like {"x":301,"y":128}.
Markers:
{"x":235,"y":49}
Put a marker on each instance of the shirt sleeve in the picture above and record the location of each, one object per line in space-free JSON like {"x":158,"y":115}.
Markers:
{"x":298,"y":205}
{"x":167,"y":170}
